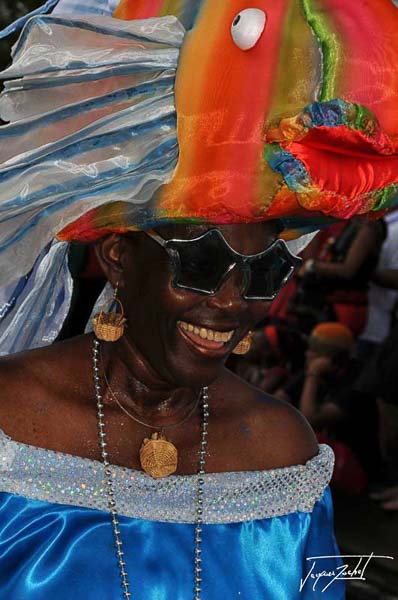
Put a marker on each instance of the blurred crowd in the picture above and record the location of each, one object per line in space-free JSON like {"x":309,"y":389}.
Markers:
{"x":329,"y":347}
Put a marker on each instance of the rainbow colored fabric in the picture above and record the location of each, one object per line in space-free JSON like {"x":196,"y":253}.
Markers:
{"x":304,"y":124}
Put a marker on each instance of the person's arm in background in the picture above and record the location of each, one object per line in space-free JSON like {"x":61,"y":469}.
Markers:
{"x":326,"y":414}
{"x":387,"y":278}
{"x":366,"y":242}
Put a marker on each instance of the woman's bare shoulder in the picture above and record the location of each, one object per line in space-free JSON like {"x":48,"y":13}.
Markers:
{"x":35,"y":382}
{"x":41,"y":366}
{"x":278,"y":433}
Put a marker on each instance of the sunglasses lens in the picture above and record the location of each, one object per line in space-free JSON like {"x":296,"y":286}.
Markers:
{"x":269,"y":273}
{"x":202,"y":263}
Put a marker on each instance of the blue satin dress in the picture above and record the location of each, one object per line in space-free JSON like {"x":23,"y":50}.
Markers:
{"x":262,"y":535}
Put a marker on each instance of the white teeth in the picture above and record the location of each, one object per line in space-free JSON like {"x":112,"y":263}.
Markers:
{"x":207,"y":334}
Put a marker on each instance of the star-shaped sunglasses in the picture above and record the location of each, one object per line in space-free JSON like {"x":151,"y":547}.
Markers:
{"x":202,"y":265}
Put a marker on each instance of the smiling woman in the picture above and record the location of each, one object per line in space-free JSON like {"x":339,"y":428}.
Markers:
{"x":164,"y":403}
{"x":187,"y":333}
{"x":133,"y":464}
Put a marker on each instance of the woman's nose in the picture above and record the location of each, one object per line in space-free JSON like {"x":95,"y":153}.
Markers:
{"x":230,"y":295}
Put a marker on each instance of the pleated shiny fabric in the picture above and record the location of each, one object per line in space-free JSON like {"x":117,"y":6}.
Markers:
{"x":92,"y":121}
{"x":261,"y":532}
{"x":33,"y":308}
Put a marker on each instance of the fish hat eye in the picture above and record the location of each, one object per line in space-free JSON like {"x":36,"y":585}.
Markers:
{"x":247,"y":27}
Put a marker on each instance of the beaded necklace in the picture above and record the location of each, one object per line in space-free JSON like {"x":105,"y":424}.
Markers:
{"x":110,"y":491}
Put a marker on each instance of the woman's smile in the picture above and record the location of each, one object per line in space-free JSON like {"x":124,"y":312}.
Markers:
{"x":205,"y":339}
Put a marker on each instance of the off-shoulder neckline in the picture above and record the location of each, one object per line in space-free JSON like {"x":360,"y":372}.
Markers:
{"x":235,"y":496}
{"x":120,"y":468}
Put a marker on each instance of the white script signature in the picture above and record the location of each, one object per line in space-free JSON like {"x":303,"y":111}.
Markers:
{"x":341,"y":573}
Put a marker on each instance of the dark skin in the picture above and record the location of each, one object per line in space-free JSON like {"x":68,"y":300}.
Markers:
{"x":47,"y":396}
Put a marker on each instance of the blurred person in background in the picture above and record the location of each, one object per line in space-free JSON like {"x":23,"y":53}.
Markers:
{"x":323,"y":392}
{"x":340,"y":278}
{"x":277,"y":352}
{"x":382,"y":295}
{"x":379,"y":378}
{"x":328,"y":363}
{"x":379,"y":375}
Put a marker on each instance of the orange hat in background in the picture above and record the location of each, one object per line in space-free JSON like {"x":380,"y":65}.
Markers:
{"x":331,"y":338}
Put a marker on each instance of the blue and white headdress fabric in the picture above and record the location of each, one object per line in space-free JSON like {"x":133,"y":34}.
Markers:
{"x":90,"y":106}
{"x":105,"y":8}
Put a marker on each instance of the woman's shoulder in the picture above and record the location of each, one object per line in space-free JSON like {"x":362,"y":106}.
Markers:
{"x":278,"y":435}
{"x":41,"y":367}
{"x":249,"y":430}
{"x":34,"y":383}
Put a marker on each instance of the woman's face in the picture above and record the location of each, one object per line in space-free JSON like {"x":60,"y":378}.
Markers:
{"x":186,"y":336}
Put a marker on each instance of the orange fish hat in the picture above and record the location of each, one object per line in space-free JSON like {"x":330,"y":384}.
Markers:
{"x":285,"y":110}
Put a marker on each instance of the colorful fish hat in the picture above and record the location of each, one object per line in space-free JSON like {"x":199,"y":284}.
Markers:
{"x":129,"y":116}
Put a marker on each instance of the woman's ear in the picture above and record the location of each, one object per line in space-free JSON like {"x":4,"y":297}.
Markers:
{"x":109,"y":255}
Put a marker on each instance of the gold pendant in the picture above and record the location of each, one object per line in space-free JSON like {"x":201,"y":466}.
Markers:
{"x":158,"y":456}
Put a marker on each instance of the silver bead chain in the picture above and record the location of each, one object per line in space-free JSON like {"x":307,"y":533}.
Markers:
{"x":111,"y":492}
{"x":108,"y":473}
{"x":200,"y":494}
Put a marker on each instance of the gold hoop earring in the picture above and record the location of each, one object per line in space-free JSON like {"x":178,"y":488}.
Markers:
{"x":109,"y":327}
{"x":244,"y":345}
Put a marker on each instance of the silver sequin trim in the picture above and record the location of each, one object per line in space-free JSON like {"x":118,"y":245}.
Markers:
{"x":230,"y":497}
